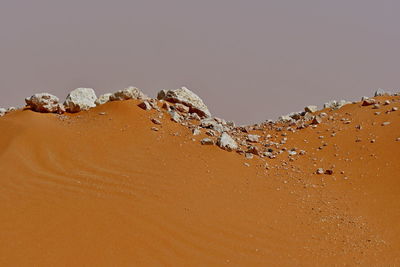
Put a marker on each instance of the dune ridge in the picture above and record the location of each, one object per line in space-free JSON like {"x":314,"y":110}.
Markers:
{"x":103,"y":187}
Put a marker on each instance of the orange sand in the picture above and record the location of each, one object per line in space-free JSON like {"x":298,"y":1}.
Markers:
{"x":105,"y":190}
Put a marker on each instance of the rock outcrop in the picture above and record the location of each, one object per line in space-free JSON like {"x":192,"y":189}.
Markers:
{"x":186,"y":97}
{"x":80,"y":99}
{"x":128,"y":93}
{"x":45,"y":103}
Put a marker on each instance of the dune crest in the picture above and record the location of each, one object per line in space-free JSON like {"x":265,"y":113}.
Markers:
{"x":134,"y":183}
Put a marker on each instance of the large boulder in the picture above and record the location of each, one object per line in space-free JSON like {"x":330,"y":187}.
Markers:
{"x":186,"y":97}
{"x":128,"y":93}
{"x":225,"y":141}
{"x":80,"y":99}
{"x":103,"y":99}
{"x":45,"y":103}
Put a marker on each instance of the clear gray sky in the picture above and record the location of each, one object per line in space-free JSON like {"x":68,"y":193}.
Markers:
{"x":250,"y":60}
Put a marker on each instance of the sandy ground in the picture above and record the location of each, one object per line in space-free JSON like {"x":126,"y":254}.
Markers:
{"x":105,"y":190}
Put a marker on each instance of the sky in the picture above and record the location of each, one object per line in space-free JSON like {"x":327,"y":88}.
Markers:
{"x":249,"y":60}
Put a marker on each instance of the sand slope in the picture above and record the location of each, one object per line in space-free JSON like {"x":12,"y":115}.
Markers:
{"x":105,"y":190}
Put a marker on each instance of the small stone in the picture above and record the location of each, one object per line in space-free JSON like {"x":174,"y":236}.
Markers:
{"x":207,"y":141}
{"x":320,"y":171}
{"x":377,"y":113}
{"x":254,"y":150}
{"x":368,"y":102}
{"x":196,"y":131}
{"x":253,"y":138}
{"x":156,"y":121}
{"x":210,"y":133}
{"x":166,"y":106}
{"x":154,"y":129}
{"x":394,"y":108}
{"x":145,"y":105}
{"x":387,"y":102}
{"x":373,"y":141}
{"x":182,"y":108}
{"x":249,"y":156}
{"x":329,"y":172}
{"x":316,"y":120}
{"x":194,"y":116}
{"x":376,"y":106}
{"x":175,"y":116}
{"x":385,"y":123}
{"x":102,"y":113}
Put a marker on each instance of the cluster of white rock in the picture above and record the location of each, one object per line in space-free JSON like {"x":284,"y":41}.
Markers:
{"x":4,"y":111}
{"x":78,"y":100}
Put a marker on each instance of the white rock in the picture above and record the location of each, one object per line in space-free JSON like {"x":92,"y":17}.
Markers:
{"x":175,"y":116}
{"x":128,"y":93}
{"x":187,"y":98}
{"x":211,"y":123}
{"x":285,"y":118}
{"x":253,"y":138}
{"x":196,"y":131}
{"x":381,"y":92}
{"x":336,"y":104}
{"x":316,"y":120}
{"x":11,"y":109}
{"x":194,"y":116}
{"x":80,"y":99}
{"x":103,"y":99}
{"x":45,"y":103}
{"x":2,"y":112}
{"x":225,"y":141}
{"x":311,"y":109}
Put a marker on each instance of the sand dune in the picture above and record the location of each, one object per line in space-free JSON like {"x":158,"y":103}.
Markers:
{"x":87,"y":189}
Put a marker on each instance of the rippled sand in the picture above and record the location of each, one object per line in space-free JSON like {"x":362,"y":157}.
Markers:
{"x":105,"y":190}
